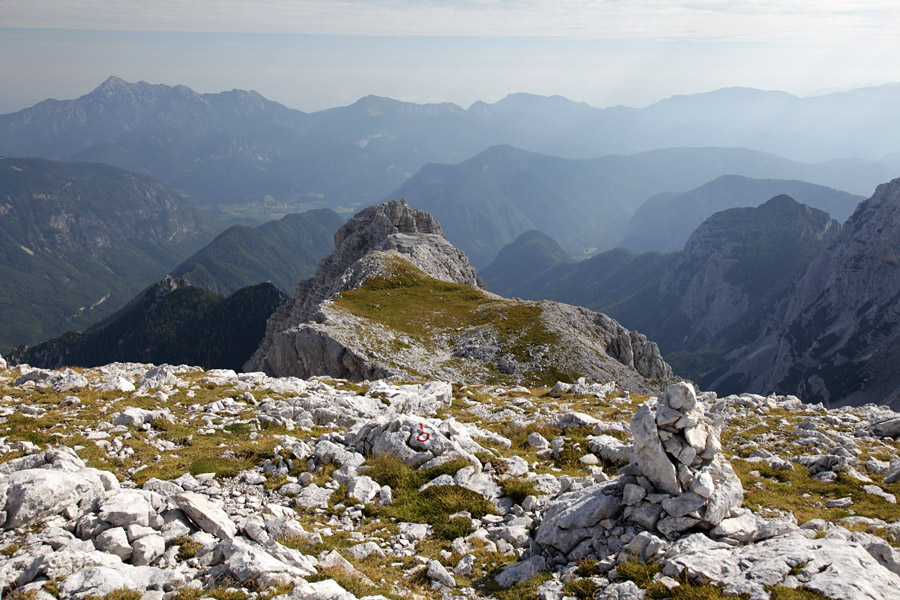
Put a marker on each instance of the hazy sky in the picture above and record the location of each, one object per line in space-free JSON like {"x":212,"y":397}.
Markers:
{"x":314,"y":54}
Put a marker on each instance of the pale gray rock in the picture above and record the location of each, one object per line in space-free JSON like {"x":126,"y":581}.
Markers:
{"x":828,"y":566}
{"x":703,"y":484}
{"x":437,"y":572}
{"x":255,"y":529}
{"x":537,"y":441}
{"x":34,"y":494}
{"x":135,"y":417}
{"x":334,"y":560}
{"x":672,"y":527}
{"x":116,"y":383}
{"x":649,"y":453}
{"x":680,"y":396}
{"x":877,"y":491}
{"x":61,"y":381}
{"x":361,"y":551}
{"x":728,"y":493}
{"x":516,"y":466}
{"x":312,"y":496}
{"x":327,"y":589}
{"x":247,"y":564}
{"x":572,"y":517}
{"x":683,"y":504}
{"x":574,"y":419}
{"x":839,"y":502}
{"x":632,"y":494}
{"x":363,"y":488}
{"x":99,"y":581}
{"x":610,"y":449}
{"x":893,"y":473}
{"x":114,"y":541}
{"x":465,"y":566}
{"x":625,"y":590}
{"x":206,"y":515}
{"x":889,"y":427}
{"x":645,"y":546}
{"x":158,"y":377}
{"x":646,"y":515}
{"x":164,"y":488}
{"x":147,"y":549}
{"x":521,"y":571}
{"x":124,"y":507}
{"x":741,"y":529}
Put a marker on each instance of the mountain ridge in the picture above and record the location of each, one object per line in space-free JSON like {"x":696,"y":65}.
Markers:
{"x":395,"y":298}
{"x":80,"y":240}
{"x":238,"y":149}
{"x":833,"y":337}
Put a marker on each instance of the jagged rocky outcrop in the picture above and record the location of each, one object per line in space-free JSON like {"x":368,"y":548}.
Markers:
{"x":834,"y":337}
{"x":735,"y":266}
{"x":316,"y":335}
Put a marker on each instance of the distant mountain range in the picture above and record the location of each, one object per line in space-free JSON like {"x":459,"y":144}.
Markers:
{"x":252,"y":158}
{"x":665,"y":221}
{"x":78,"y":241}
{"x":834,"y":336}
{"x":698,"y":303}
{"x":485,"y":202}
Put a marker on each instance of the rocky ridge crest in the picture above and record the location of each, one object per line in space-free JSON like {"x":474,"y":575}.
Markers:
{"x":834,"y":337}
{"x":318,"y":334}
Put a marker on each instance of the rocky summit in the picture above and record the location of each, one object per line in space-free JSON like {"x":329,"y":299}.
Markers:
{"x":395,"y":298}
{"x":174,"y":483}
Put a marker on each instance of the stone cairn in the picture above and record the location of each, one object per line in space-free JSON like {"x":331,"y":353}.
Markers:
{"x":678,"y":478}
{"x":678,"y":483}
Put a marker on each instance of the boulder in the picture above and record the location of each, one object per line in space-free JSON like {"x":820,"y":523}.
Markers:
{"x":649,"y":454}
{"x":832,"y":567}
{"x":125,"y":507}
{"x":571,"y":518}
{"x":206,"y":515}
{"x":33,"y":494}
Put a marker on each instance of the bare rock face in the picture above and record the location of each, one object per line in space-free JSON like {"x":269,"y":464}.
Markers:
{"x":834,"y":338}
{"x":392,"y":226}
{"x":313,"y":335}
{"x":415,"y":234}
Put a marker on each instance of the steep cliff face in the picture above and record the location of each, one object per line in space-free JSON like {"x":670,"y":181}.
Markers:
{"x":734,"y":268}
{"x":395,"y":298}
{"x":834,"y":338}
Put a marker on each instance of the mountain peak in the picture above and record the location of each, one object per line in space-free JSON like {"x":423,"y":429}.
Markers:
{"x":395,"y":298}
{"x":112,"y":83}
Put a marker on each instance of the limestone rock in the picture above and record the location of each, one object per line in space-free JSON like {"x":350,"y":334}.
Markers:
{"x":572,"y":517}
{"x":829,"y":566}
{"x":208,"y":517}
{"x":33,"y":494}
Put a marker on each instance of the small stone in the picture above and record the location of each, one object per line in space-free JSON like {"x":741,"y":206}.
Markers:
{"x":632,"y":494}
{"x":437,"y":572}
{"x":840,"y":502}
{"x":147,"y":549}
